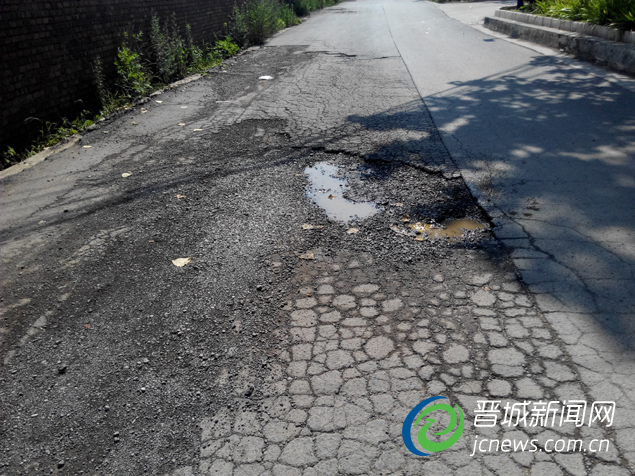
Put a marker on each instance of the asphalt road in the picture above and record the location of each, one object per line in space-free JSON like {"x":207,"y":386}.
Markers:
{"x":295,"y":344}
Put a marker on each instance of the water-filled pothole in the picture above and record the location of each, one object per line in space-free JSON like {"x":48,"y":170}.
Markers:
{"x":452,"y":229}
{"x":326,"y":190}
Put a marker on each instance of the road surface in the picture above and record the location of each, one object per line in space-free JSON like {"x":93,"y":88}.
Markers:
{"x":292,"y":343}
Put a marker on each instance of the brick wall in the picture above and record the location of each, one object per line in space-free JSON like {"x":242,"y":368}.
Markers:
{"x":47,"y":49}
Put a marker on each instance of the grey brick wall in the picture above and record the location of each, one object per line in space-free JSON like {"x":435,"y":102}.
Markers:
{"x":47,"y":48}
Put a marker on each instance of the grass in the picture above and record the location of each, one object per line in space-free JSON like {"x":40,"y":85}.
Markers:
{"x":51,"y":134}
{"x":615,"y":13}
{"x":145,"y":63}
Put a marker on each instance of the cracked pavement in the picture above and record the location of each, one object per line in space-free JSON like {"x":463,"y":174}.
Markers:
{"x":288,"y":351}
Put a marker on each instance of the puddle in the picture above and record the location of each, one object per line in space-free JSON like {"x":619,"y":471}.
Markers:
{"x":453,"y":229}
{"x":326,"y":190}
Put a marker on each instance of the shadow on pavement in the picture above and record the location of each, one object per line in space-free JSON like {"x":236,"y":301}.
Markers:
{"x":551,"y":152}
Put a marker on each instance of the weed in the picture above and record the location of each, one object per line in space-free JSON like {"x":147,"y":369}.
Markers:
{"x":134,"y":79}
{"x":51,"y":134}
{"x":616,"y":13}
{"x":256,"y":20}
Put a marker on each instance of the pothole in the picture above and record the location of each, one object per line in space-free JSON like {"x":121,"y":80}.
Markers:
{"x":452,"y":229}
{"x":326,"y":190}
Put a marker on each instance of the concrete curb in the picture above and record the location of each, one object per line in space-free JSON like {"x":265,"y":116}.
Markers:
{"x":588,"y":29}
{"x":617,"y":56}
{"x":39,"y":157}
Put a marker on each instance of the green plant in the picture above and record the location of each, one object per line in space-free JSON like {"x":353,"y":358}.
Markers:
{"x":171,"y":53}
{"x":51,"y":134}
{"x":226,"y":48}
{"x":99,"y":80}
{"x":304,"y":7}
{"x":134,"y":79}
{"x":256,"y":20}
{"x":616,"y":13}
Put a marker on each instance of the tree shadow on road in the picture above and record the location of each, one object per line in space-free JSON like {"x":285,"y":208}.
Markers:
{"x":550,"y":151}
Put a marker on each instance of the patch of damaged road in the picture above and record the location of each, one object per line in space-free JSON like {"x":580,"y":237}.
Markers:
{"x":274,"y":348}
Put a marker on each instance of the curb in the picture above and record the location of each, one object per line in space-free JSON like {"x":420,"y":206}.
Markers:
{"x":558,"y":34}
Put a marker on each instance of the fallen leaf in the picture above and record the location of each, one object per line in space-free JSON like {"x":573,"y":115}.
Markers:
{"x":180,"y":262}
{"x":87,"y":146}
{"x":180,"y":196}
{"x":352,"y":231}
{"x":306,"y":226}
{"x":308,"y":255}
{"x":197,"y":130}
{"x":181,"y":123}
{"x":398,"y":230}
{"x":265,"y":78}
{"x":87,"y":326}
{"x":405,"y":219}
{"x":486,"y":288}
{"x":159,"y":102}
{"x":331,"y":197}
{"x":126,"y":174}
{"x":134,"y":123}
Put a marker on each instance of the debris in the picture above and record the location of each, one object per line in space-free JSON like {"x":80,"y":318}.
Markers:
{"x":310,"y":255}
{"x":180,"y":196}
{"x":331,"y":197}
{"x":87,"y":326}
{"x":87,"y":146}
{"x":159,"y":102}
{"x":183,"y":107}
{"x":266,"y":78}
{"x":143,"y":111}
{"x":197,"y":130}
{"x":306,"y":226}
{"x":134,"y":123}
{"x":181,"y":124}
{"x":180,"y":262}
{"x":41,"y":222}
{"x":352,"y":231}
{"x":126,"y":174}
{"x":398,"y":230}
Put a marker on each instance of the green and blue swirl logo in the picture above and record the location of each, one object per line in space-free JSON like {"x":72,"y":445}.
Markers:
{"x":455,"y":426}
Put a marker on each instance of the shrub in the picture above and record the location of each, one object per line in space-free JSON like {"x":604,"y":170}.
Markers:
{"x":616,"y":13}
{"x":256,"y":20}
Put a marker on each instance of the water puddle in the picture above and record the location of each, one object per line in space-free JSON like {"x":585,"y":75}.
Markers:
{"x":452,"y":229}
{"x":326,"y":190}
